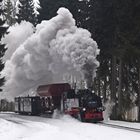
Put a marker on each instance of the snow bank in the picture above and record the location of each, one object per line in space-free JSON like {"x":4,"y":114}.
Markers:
{"x":65,"y":128}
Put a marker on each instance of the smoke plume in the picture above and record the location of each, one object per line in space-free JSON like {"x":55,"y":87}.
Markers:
{"x":56,"y":48}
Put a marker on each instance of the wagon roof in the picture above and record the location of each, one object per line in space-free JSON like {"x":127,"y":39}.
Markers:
{"x":53,"y":89}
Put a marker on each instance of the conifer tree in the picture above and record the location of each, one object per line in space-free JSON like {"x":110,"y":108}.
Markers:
{"x":26,"y":11}
{"x":81,"y":10}
{"x":48,"y":8}
{"x":9,"y":11}
{"x":2,"y":46}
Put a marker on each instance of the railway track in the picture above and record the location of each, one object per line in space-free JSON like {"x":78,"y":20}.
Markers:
{"x":120,"y":127}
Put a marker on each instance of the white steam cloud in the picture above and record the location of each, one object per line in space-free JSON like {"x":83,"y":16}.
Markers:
{"x":17,"y":34}
{"x":108,"y":110}
{"x":56,"y":48}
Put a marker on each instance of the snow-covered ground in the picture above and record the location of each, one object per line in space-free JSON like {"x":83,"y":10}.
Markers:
{"x":125,"y":124}
{"x":17,"y":127}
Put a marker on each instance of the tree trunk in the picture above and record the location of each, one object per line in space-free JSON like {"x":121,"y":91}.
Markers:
{"x":104,"y":89}
{"x":113,"y":87}
{"x":119,"y":91}
{"x":99,"y":90}
{"x":139,"y":93}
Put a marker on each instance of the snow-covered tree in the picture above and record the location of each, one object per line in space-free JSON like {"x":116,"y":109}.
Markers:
{"x":2,"y":46}
{"x":9,"y":11}
{"x":26,"y":11}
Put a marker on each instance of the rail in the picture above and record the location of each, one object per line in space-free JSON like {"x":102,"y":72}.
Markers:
{"x":120,"y":127}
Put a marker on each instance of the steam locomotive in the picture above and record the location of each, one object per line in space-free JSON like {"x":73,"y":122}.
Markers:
{"x":81,"y":104}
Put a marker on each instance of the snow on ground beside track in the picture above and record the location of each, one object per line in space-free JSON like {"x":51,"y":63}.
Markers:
{"x":9,"y":130}
{"x":122,"y":123}
{"x":17,"y":127}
